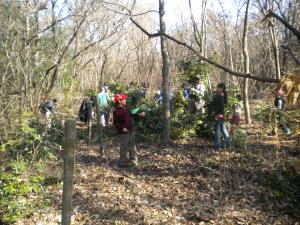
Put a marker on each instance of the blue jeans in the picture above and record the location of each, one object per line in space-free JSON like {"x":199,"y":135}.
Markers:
{"x":219,"y":127}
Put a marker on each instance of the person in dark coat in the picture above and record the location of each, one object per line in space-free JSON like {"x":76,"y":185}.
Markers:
{"x":218,"y":114}
{"x":84,"y":113}
{"x":122,"y":119}
{"x":47,"y":109}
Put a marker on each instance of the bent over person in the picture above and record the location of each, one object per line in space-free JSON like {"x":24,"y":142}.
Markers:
{"x":47,"y":110}
{"x":123,"y":122}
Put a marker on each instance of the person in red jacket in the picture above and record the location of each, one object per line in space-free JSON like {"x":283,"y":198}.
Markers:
{"x":123,"y":122}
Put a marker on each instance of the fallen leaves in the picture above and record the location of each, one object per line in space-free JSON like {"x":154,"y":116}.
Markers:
{"x":187,"y":183}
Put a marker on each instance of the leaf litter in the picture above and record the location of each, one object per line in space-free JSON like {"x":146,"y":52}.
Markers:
{"x":184,"y":183}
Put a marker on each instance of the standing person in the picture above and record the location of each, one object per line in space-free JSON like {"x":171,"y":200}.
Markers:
{"x":84,"y":110}
{"x":218,"y":113}
{"x":236,"y":117}
{"x":102,"y":98}
{"x":279,"y":103}
{"x":198,"y":91}
{"x":123,"y":122}
{"x":159,"y":96}
{"x":47,"y":109}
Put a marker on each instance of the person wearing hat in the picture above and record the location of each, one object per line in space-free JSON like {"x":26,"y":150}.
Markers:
{"x":198,"y":92}
{"x":123,"y":123}
{"x":47,"y":109}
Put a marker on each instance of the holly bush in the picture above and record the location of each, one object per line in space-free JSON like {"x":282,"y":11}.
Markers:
{"x":24,"y":159}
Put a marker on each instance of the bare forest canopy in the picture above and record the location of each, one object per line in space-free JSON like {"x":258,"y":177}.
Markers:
{"x":55,"y":48}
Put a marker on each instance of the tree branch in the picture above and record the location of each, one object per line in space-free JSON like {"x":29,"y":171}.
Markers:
{"x":234,"y":73}
{"x":284,"y":22}
{"x":47,"y":28}
{"x":291,"y":53}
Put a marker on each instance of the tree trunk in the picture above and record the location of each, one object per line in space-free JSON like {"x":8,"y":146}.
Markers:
{"x":246,"y":67}
{"x":274,"y":43}
{"x":203,"y":29}
{"x":165,"y":75}
{"x":275,"y":52}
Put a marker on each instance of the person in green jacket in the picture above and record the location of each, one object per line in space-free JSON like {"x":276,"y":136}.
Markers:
{"x":102,"y":99}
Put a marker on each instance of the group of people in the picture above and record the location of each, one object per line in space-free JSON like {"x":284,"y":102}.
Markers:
{"x":123,"y":122}
{"x":122,"y":116}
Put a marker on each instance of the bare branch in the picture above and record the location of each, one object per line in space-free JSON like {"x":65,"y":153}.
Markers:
{"x":195,"y":27}
{"x":129,"y":12}
{"x":224,"y":68}
{"x":297,"y":61}
{"x":284,"y":22}
{"x":47,"y":28}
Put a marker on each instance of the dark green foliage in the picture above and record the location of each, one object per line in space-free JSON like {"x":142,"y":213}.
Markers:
{"x":186,"y":122}
{"x":91,"y":92}
{"x":135,"y":97}
{"x":149,"y":127}
{"x":16,"y":190}
{"x":23,"y":167}
{"x":239,"y":139}
{"x":117,"y":87}
{"x":232,"y":100}
{"x":264,"y":114}
{"x":32,"y":142}
{"x":275,"y":119}
{"x":190,"y":69}
{"x":204,"y":129}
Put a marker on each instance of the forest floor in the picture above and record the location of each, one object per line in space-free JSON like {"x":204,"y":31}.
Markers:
{"x":184,"y":183}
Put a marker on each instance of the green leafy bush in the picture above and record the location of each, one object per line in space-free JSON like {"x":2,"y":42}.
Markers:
{"x":190,"y":69}
{"x":264,"y":114}
{"x":22,"y":172}
{"x":117,"y":87}
{"x":16,"y":190}
{"x":239,"y":139}
{"x":91,"y":92}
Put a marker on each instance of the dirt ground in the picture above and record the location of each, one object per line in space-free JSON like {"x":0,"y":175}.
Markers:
{"x":184,"y":183}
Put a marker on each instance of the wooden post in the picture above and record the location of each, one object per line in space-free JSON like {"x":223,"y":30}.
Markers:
{"x":298,"y":141}
{"x":90,"y":122}
{"x":100,"y":127}
{"x":69,"y":145}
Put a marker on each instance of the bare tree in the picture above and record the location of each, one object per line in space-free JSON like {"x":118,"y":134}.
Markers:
{"x":165,"y":75}
{"x":246,"y":66}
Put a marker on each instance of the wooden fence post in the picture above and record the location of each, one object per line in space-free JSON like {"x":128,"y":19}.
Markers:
{"x":90,"y":122}
{"x":69,"y":161}
{"x":298,"y":141}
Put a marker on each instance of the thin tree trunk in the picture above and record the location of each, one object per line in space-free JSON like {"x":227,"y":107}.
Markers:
{"x":274,"y":43}
{"x":203,"y":29}
{"x":246,"y":67}
{"x":165,"y":75}
{"x":275,"y":52}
